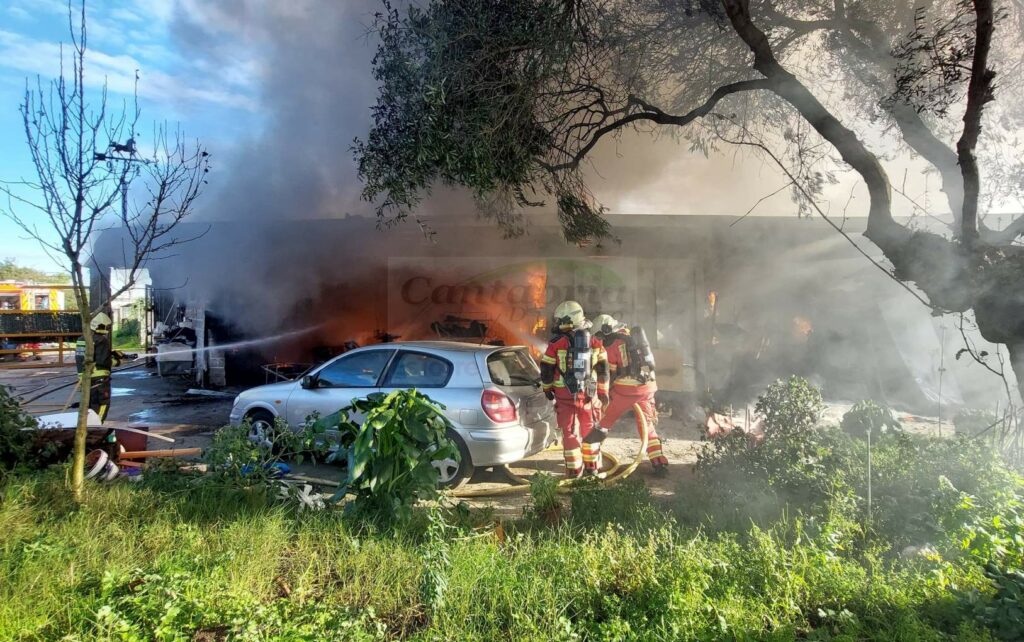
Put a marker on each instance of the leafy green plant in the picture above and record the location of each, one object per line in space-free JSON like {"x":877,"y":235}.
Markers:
{"x":16,"y":443}
{"x":240,"y":458}
{"x":791,"y":465}
{"x":544,"y":494}
{"x":867,"y":416}
{"x":391,"y":451}
{"x":997,"y":536}
{"x":1002,"y":613}
{"x":127,"y":334}
{"x":436,"y":559}
{"x":790,"y":407}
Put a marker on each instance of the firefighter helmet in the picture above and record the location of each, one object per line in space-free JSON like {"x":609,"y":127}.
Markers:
{"x":569,"y":316}
{"x":606,"y":324}
{"x":101,"y":320}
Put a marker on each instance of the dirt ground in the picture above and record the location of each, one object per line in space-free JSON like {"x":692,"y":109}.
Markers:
{"x":166,"y":407}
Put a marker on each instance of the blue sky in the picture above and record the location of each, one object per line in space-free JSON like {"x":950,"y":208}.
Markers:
{"x":218,"y":105}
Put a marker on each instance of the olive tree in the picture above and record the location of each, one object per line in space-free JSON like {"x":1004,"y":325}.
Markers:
{"x":510,"y":98}
{"x":85,"y":157}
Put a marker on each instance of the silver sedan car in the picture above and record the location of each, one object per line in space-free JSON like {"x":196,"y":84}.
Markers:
{"x":492,"y":395}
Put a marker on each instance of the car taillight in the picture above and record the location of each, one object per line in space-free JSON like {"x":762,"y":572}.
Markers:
{"x":498,"y":406}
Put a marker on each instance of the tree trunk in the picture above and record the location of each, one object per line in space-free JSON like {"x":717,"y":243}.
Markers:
{"x":82,"y":427}
{"x":956,"y":277}
{"x":1017,"y":364}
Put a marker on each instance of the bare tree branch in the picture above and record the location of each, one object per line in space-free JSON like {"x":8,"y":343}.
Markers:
{"x":653,"y":114}
{"x":81,"y":180}
{"x":760,"y":145}
{"x":850,"y":148}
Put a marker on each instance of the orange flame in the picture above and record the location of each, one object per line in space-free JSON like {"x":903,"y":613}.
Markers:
{"x":537,"y":278}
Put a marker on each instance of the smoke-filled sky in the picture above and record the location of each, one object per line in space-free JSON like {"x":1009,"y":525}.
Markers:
{"x":278,"y":91}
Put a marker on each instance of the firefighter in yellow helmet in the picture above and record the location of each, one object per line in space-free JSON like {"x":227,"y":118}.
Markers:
{"x":631,"y":365}
{"x":574,"y":373}
{"x":103,"y":357}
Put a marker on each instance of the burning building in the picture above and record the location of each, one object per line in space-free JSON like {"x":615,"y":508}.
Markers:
{"x":728,"y":307}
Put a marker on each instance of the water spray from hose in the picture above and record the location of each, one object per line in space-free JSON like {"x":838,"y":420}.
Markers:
{"x":245,"y":343}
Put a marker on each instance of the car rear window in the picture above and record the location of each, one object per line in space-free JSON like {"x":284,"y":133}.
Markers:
{"x":513,"y":368}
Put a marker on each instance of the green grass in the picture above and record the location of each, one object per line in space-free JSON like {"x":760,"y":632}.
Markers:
{"x":168,"y":561}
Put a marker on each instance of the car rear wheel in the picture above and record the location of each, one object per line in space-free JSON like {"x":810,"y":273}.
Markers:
{"x":453,"y":474}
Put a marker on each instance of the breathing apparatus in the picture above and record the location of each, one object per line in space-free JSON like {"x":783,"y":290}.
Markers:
{"x":641,"y":357}
{"x":571,"y":321}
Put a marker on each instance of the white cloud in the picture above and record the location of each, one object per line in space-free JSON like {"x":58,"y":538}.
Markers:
{"x":152,"y":52}
{"x":126,"y":15}
{"x":41,"y":58}
{"x":36,"y":7}
{"x":19,"y":13}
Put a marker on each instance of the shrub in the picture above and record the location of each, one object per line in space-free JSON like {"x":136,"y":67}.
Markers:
{"x":996,"y":536}
{"x":127,"y":334}
{"x":391,"y":451}
{"x":867,"y":416}
{"x":246,"y":469}
{"x":16,"y":444}
{"x":925,"y":488}
{"x":790,"y":466}
{"x":237,"y":456}
{"x":971,"y":421}
{"x":791,"y":454}
{"x":1001,"y":612}
{"x":790,"y":407}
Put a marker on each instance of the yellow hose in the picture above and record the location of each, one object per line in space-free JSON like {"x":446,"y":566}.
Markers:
{"x":613,"y":465}
{"x":641,"y":424}
{"x":612,"y":476}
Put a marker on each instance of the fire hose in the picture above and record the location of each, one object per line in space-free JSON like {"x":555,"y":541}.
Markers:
{"x":613,"y":475}
{"x":141,"y":362}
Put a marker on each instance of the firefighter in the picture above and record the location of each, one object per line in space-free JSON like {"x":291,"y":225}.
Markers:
{"x":574,"y":373}
{"x":103,"y":357}
{"x":631,"y":365}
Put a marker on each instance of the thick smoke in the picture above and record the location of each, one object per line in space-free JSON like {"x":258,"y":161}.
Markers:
{"x":315,"y":89}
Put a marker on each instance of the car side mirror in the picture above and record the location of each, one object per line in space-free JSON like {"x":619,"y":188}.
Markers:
{"x":308,"y":382}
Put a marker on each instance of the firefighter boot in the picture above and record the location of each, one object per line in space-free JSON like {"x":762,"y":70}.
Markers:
{"x":592,"y":451}
{"x":656,"y":455}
